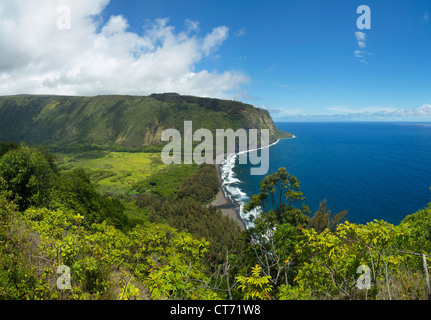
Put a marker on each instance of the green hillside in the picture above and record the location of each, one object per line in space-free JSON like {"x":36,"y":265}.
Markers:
{"x":123,"y":121}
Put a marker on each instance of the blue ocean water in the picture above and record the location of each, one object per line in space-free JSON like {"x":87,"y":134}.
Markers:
{"x":373,"y":170}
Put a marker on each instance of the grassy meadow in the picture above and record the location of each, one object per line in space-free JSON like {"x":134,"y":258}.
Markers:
{"x":115,"y":172}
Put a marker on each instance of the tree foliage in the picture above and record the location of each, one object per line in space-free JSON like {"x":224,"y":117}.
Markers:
{"x":27,"y":173}
{"x":74,"y":190}
{"x":201,"y":186}
{"x":255,"y":287}
{"x":103,"y":260}
{"x":332,"y":258}
{"x":279,"y":196}
{"x":196,"y":218}
{"x":323,"y":219}
{"x":178,"y":247}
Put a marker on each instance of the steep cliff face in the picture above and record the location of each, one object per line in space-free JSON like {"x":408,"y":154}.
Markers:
{"x":128,"y":121}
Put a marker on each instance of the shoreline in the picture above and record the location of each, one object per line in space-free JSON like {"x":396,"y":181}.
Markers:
{"x":231,"y":208}
{"x":227,"y":207}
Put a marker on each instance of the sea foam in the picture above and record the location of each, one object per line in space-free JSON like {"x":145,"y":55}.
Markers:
{"x":231,"y":185}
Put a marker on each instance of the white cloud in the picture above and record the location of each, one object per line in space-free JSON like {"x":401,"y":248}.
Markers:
{"x":341,"y":113}
{"x":105,"y":58}
{"x":115,"y":25}
{"x":341,"y":109}
{"x":214,"y":39}
{"x":241,"y":32}
{"x":365,"y":110}
{"x":426,"y":17}
{"x":359,"y":54}
{"x":361,"y":38}
{"x":379,"y":112}
{"x":192,"y":26}
{"x":423,"y":111}
{"x":280,"y":113}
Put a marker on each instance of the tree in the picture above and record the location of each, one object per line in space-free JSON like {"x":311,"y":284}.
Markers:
{"x":420,"y":225}
{"x":332,"y":259}
{"x":27,"y":174}
{"x":74,"y":190}
{"x":170,"y":262}
{"x":201,"y":186}
{"x":275,"y":231}
{"x":6,"y":146}
{"x":279,"y":193}
{"x":255,"y":287}
{"x":273,"y":249}
{"x":322,"y":218}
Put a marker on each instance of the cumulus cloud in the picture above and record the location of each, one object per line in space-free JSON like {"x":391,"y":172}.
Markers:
{"x":95,"y":57}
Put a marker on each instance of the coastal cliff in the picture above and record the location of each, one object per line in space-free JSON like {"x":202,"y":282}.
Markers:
{"x":124,"y":121}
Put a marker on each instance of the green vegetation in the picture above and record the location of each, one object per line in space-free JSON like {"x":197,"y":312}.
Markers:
{"x":167,"y":242}
{"x":322,"y":257}
{"x":201,"y":186}
{"x":166,"y":182}
{"x":120,"y":123}
{"x":114,"y":172}
{"x":111,"y":246}
{"x":187,"y":209}
{"x":255,"y":287}
{"x":26,"y":173}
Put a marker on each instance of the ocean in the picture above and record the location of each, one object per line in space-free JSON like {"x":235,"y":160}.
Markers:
{"x":374,"y":170}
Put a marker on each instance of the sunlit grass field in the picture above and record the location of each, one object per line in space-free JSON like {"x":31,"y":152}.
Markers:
{"x":115,"y":172}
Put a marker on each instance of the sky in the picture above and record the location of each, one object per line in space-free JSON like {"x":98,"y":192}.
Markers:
{"x":302,"y":60}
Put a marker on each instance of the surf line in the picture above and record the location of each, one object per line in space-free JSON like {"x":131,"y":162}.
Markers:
{"x":234,"y":193}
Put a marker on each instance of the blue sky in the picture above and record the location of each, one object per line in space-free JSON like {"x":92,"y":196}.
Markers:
{"x":291,"y":57}
{"x":300,"y":54}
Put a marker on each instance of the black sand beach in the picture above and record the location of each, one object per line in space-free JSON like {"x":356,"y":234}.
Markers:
{"x":226,"y":205}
